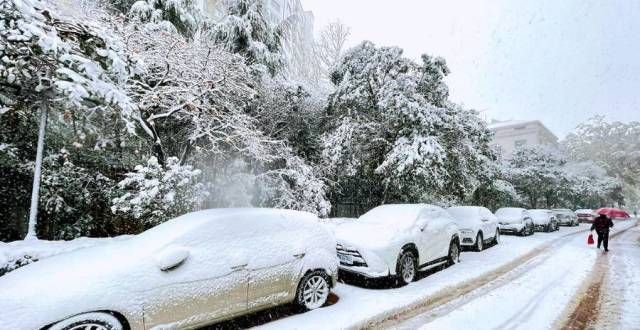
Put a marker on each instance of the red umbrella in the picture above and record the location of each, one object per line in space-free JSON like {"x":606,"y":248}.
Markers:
{"x":613,"y":212}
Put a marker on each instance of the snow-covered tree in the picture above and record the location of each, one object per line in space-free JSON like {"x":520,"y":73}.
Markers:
{"x":47,"y":57}
{"x":49,"y":61}
{"x":245,"y":30}
{"x":614,"y":146}
{"x":392,"y":138}
{"x":182,"y":16}
{"x":74,"y":199}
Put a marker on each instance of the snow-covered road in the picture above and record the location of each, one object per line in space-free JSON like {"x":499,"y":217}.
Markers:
{"x":618,"y":306}
{"x":521,"y":280}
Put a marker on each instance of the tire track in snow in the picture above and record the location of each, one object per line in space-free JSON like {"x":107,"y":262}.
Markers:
{"x":599,"y":305}
{"x":451,"y":298}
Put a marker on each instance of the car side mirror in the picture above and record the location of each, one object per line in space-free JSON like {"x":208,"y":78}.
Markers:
{"x":171,"y":257}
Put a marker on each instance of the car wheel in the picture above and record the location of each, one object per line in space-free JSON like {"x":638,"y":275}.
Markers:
{"x":407,"y":267}
{"x":496,"y":239}
{"x":479,"y":243}
{"x":548,"y":228}
{"x":524,"y":231}
{"x":89,"y":321}
{"x":313,"y":290}
{"x":454,"y":252}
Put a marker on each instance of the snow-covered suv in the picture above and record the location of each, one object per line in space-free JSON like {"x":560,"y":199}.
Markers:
{"x":515,"y":220}
{"x":398,"y":241}
{"x":477,"y":225}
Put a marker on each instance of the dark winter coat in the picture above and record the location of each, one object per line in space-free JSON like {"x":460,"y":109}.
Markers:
{"x":602,"y":223}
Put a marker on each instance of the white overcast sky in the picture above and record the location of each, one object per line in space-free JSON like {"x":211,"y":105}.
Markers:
{"x":560,"y":61}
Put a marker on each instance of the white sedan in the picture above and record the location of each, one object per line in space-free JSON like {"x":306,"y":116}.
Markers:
{"x":398,"y":241}
{"x":477,"y":225}
{"x":191,"y":271}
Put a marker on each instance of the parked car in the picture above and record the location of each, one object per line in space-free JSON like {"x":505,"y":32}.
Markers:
{"x":477,"y":226}
{"x":544,"y":220}
{"x":585,"y":215}
{"x":515,"y":220}
{"x":398,"y":241}
{"x":566,"y":217}
{"x":194,"y":270}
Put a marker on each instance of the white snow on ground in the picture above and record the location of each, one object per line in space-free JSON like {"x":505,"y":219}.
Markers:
{"x":536,"y":299}
{"x":357,"y":305}
{"x":620,"y":294}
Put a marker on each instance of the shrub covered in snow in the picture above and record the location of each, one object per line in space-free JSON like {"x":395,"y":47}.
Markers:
{"x":154,"y":194}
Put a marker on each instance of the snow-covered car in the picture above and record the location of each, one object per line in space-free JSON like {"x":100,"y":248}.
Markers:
{"x":585,"y":215}
{"x":544,"y":220}
{"x":515,"y":220}
{"x":566,"y":217}
{"x":477,"y":226}
{"x":194,"y":270}
{"x":398,"y":240}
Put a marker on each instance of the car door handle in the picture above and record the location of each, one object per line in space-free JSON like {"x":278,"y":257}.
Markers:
{"x":239,"y":267}
{"x":299,"y":255}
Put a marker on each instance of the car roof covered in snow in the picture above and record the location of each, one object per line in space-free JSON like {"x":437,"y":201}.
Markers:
{"x":229,"y":218}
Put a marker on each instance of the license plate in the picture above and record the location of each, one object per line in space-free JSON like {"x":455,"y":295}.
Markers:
{"x":346,"y":259}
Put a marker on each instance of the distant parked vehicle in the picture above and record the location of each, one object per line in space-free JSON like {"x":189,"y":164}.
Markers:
{"x":477,"y":226}
{"x":515,"y":220}
{"x":585,"y":215}
{"x":544,"y":220}
{"x":566,"y":217}
{"x":194,"y":270}
{"x":398,"y":241}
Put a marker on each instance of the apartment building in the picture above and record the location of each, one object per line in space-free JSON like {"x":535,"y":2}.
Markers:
{"x":510,"y":135}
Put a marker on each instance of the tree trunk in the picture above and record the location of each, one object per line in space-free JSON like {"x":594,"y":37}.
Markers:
{"x":35,"y":191}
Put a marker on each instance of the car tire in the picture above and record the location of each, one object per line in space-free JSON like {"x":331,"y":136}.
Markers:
{"x":407,"y":267}
{"x":479,"y":243}
{"x":454,"y":252}
{"x":102,"y":321}
{"x":496,"y":238}
{"x":313,"y":290}
{"x":525,"y":231}
{"x":532,"y":229}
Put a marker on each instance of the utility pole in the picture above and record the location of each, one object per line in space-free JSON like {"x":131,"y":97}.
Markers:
{"x":35,"y":191}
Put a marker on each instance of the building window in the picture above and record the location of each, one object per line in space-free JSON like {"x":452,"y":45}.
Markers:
{"x":520,"y":143}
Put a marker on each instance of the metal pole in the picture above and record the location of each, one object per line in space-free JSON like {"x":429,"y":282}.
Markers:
{"x":35,"y":191}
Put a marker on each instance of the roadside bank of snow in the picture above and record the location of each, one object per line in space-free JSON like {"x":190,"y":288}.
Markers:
{"x":16,"y":254}
{"x":359,"y":306}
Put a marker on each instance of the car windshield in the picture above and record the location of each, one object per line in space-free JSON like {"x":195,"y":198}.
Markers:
{"x":404,"y":215}
{"x":509,"y":212}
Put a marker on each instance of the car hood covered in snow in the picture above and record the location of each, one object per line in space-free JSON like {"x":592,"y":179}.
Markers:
{"x":368,"y":235}
{"x":85,"y":280}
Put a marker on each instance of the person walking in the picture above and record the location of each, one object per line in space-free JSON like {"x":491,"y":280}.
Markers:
{"x":601,"y":225}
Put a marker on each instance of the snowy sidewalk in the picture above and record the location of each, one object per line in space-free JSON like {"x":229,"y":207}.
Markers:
{"x":359,"y":307}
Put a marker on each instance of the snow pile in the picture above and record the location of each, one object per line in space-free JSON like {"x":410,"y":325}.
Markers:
{"x":21,"y":253}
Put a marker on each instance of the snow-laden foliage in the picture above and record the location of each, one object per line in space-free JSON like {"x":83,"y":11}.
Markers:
{"x":614,"y":146}
{"x":183,"y":16}
{"x":544,"y":177}
{"x":245,"y":30}
{"x":46,"y":58}
{"x":72,"y":199}
{"x":394,"y":135}
{"x":154,"y":194}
